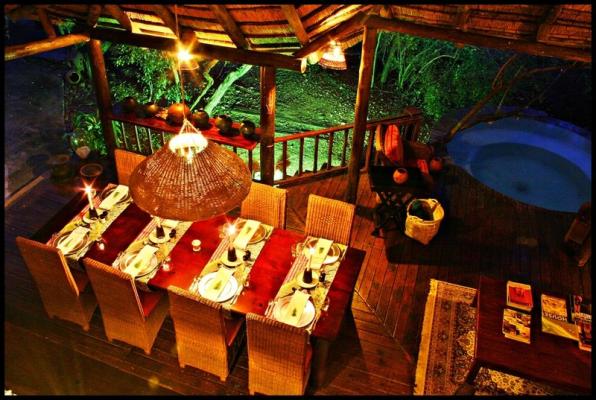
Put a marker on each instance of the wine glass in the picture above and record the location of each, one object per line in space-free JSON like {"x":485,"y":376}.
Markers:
{"x":297,"y":249}
{"x":326,"y":304}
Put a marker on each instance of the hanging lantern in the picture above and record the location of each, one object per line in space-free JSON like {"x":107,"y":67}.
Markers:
{"x":334,"y":57}
{"x":190,"y":179}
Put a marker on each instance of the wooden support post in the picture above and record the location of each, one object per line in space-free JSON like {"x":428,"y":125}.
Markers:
{"x":102,"y":92}
{"x":369,"y":41}
{"x":41,"y":46}
{"x":267,"y":123}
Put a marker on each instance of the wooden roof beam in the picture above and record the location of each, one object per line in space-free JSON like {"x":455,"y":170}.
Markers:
{"x":41,"y":46}
{"x":94,"y":14}
{"x":203,"y":50}
{"x":334,"y":34}
{"x":426,"y":31}
{"x":184,"y":34}
{"x":230,"y":26}
{"x":120,"y":16}
{"x":462,"y":17}
{"x":547,"y":23}
{"x":295,"y":22}
{"x":45,"y":22}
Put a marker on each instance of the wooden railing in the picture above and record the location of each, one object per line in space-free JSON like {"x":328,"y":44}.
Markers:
{"x":335,"y":159}
{"x":330,"y":147}
{"x":147,"y":135}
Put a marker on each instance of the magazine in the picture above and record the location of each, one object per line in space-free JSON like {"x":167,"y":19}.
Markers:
{"x":556,"y":318}
{"x":584,"y":329}
{"x":517,"y":325}
{"x":519,"y":295}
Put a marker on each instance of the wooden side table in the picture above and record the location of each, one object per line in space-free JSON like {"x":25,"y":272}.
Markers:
{"x":393,"y":197}
{"x":551,"y":359}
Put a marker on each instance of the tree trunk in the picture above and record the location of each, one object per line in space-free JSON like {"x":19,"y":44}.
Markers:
{"x":224,"y":86}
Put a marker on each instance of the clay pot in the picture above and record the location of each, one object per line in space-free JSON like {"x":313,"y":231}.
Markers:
{"x":436,"y":164}
{"x":176,"y":113}
{"x":201,"y":119}
{"x":224,"y":124}
{"x":129,"y":104}
{"x":248,"y":130}
{"x":400,"y":175}
{"x":150,"y":109}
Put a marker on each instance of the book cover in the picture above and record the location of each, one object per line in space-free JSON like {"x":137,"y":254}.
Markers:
{"x":517,"y":325}
{"x":519,"y":295}
{"x":584,"y":329}
{"x":555,"y":317}
{"x":580,"y":308}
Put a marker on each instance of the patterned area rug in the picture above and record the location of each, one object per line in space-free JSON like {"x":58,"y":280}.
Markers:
{"x":447,"y":348}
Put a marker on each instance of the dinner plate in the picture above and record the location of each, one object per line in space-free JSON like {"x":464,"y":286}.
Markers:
{"x":226,"y":294}
{"x":315,"y":280}
{"x":282,"y":306}
{"x":63,"y":236}
{"x":145,"y":269}
{"x":104,"y":195}
{"x":228,"y":263}
{"x":260,"y":234}
{"x":332,"y":255}
{"x":153,"y":236}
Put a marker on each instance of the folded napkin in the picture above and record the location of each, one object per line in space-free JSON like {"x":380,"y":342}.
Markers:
{"x":322,"y":247}
{"x":140,"y":260}
{"x":73,"y":239}
{"x":248,"y":231}
{"x":295,"y":308}
{"x":215,"y":287}
{"x":169,"y":223}
{"x":117,"y":194}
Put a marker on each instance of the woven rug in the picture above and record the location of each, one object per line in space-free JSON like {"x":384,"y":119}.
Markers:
{"x":447,"y":348}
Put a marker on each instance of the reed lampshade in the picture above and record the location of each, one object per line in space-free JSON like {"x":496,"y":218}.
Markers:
{"x":211,"y":182}
{"x":334,"y":57}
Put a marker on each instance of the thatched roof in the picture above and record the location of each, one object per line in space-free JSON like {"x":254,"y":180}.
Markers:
{"x":563,"y":31}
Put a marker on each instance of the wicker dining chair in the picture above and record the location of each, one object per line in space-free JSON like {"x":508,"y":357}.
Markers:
{"x":205,"y":339}
{"x":131,"y":316}
{"x":279,"y":357}
{"x":329,"y":219}
{"x":266,"y":204}
{"x":65,"y":293}
{"x":126,"y":161}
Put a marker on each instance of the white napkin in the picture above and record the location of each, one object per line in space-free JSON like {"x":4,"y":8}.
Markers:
{"x":169,"y":223}
{"x":117,"y":194}
{"x":140,"y":260}
{"x":73,"y":239}
{"x":295,"y":308}
{"x":322,"y":248}
{"x":248,"y":231}
{"x":218,"y":283}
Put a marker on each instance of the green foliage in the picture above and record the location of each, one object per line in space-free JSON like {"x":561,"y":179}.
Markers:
{"x":89,"y":127}
{"x":145,"y":74}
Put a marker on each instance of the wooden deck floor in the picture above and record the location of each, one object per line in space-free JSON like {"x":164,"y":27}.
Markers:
{"x":376,"y":352}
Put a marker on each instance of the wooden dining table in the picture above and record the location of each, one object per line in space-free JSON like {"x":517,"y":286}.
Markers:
{"x":266,"y":276}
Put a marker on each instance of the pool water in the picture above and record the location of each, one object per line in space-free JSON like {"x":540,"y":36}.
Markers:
{"x":531,"y":175}
{"x":547,"y":164}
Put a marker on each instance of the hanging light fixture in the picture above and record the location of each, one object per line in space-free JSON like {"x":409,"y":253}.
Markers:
{"x":186,"y":61}
{"x":334,"y":57}
{"x":191,"y":178}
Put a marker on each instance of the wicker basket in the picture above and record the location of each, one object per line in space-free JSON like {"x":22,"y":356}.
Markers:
{"x":421,"y":230}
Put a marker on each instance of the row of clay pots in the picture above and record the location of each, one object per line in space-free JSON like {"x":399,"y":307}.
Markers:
{"x":178,"y":111}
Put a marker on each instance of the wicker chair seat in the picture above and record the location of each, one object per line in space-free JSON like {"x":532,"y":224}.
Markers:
{"x":149,"y":300}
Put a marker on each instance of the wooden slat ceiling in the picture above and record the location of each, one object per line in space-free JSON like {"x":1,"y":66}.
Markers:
{"x":275,"y":28}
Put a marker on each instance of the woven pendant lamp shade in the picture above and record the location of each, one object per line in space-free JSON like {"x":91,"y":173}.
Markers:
{"x":169,"y":186}
{"x":334,"y":57}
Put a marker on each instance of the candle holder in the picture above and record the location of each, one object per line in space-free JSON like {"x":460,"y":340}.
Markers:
{"x":166,"y":265}
{"x":232,"y":254}
{"x":307,"y":276}
{"x":159,"y":231}
{"x":93,"y":213}
{"x":196,"y":245}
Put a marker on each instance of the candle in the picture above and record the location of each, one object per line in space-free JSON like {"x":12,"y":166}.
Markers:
{"x":101,"y":245}
{"x":311,"y":252}
{"x":89,"y":196}
{"x":196,"y":245}
{"x":231,"y":230}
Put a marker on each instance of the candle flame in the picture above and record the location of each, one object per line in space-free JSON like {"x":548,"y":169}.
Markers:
{"x":311,"y":250}
{"x":231,"y":229}
{"x":87,"y":189}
